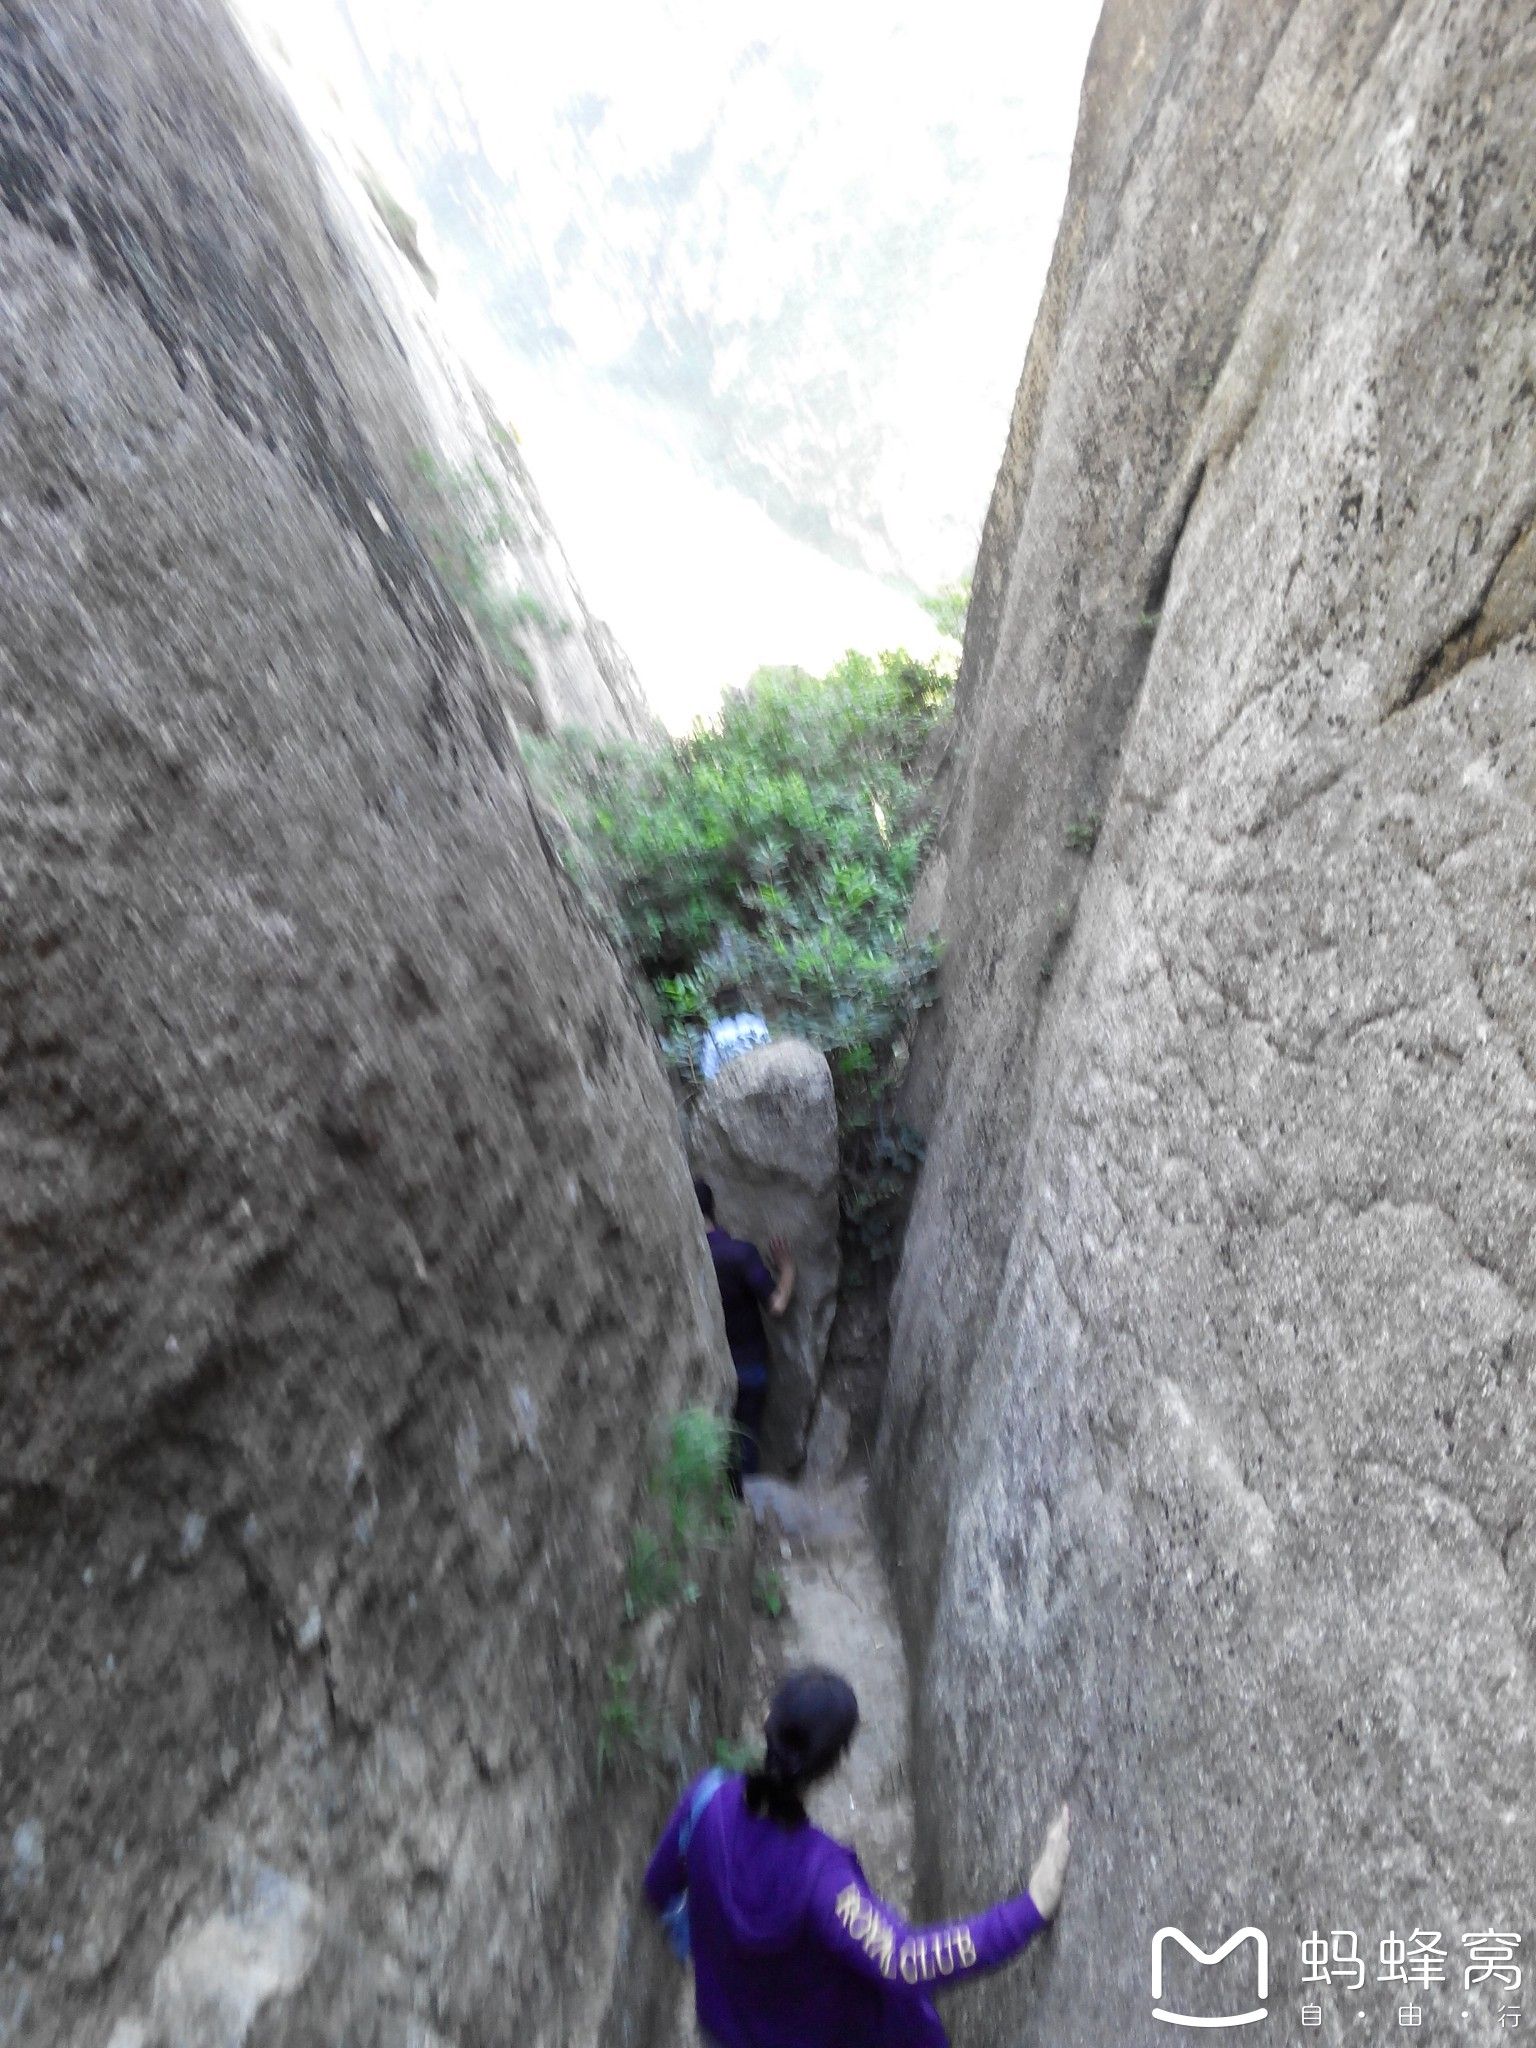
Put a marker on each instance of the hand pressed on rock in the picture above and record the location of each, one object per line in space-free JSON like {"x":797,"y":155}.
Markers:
{"x":1050,"y":1871}
{"x":782,"y":1261}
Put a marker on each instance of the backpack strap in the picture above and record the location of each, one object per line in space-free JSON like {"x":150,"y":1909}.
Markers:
{"x":703,"y":1792}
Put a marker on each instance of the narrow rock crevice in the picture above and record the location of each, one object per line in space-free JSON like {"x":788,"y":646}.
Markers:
{"x":1502,"y":609}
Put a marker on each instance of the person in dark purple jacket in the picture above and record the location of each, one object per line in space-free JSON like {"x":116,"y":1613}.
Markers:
{"x":791,"y":1948}
{"x":746,"y":1288}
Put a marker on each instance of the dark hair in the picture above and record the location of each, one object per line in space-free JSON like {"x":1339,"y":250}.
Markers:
{"x":810,"y":1724}
{"x":706,"y":1195}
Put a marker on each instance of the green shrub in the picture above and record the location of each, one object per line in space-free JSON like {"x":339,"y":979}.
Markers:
{"x":771,"y":855}
{"x":693,"y":1481}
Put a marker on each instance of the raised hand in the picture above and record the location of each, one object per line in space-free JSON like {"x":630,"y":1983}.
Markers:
{"x":783,"y":1264}
{"x":1050,"y":1872}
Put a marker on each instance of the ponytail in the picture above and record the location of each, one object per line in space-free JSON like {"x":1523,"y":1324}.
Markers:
{"x":810,"y":1725}
{"x":774,"y":1789}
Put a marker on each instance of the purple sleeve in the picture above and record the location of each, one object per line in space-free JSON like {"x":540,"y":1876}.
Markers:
{"x":756,"y":1274}
{"x":872,"y":1938}
{"x":667,"y":1872}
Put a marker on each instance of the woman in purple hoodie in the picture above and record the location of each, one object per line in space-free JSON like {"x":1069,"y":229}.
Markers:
{"x":791,"y":1948}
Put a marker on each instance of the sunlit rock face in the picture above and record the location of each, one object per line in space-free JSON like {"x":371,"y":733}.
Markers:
{"x":1210,"y":1425}
{"x":807,"y":241}
{"x":349,"y":1250}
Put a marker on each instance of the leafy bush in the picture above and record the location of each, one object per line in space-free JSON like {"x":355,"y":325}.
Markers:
{"x":768,"y":859}
{"x":693,"y":1481}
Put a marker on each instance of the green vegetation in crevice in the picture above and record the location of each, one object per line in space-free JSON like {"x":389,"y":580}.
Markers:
{"x":466,"y":533}
{"x":692,"y":1516}
{"x":739,"y":1756}
{"x":522,"y":604}
{"x":624,"y":1736}
{"x":767,"y":861}
{"x":399,"y":225}
{"x":879,"y":1163}
{"x":768,"y":1595}
{"x":949,"y":606}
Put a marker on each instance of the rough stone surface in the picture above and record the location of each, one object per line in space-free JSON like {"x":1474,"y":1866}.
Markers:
{"x":853,"y":1379}
{"x":1207,"y":1447}
{"x":348,"y":1247}
{"x":826,"y":1445}
{"x":220,"y":1976}
{"x":763,"y":1133}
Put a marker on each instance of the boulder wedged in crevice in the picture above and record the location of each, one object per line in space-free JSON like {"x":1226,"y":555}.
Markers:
{"x":763,"y":1133}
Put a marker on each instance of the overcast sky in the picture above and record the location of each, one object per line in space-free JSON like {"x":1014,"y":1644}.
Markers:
{"x":700,"y":586}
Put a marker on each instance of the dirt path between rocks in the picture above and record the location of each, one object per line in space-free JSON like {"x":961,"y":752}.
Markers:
{"x":837,"y":1611}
